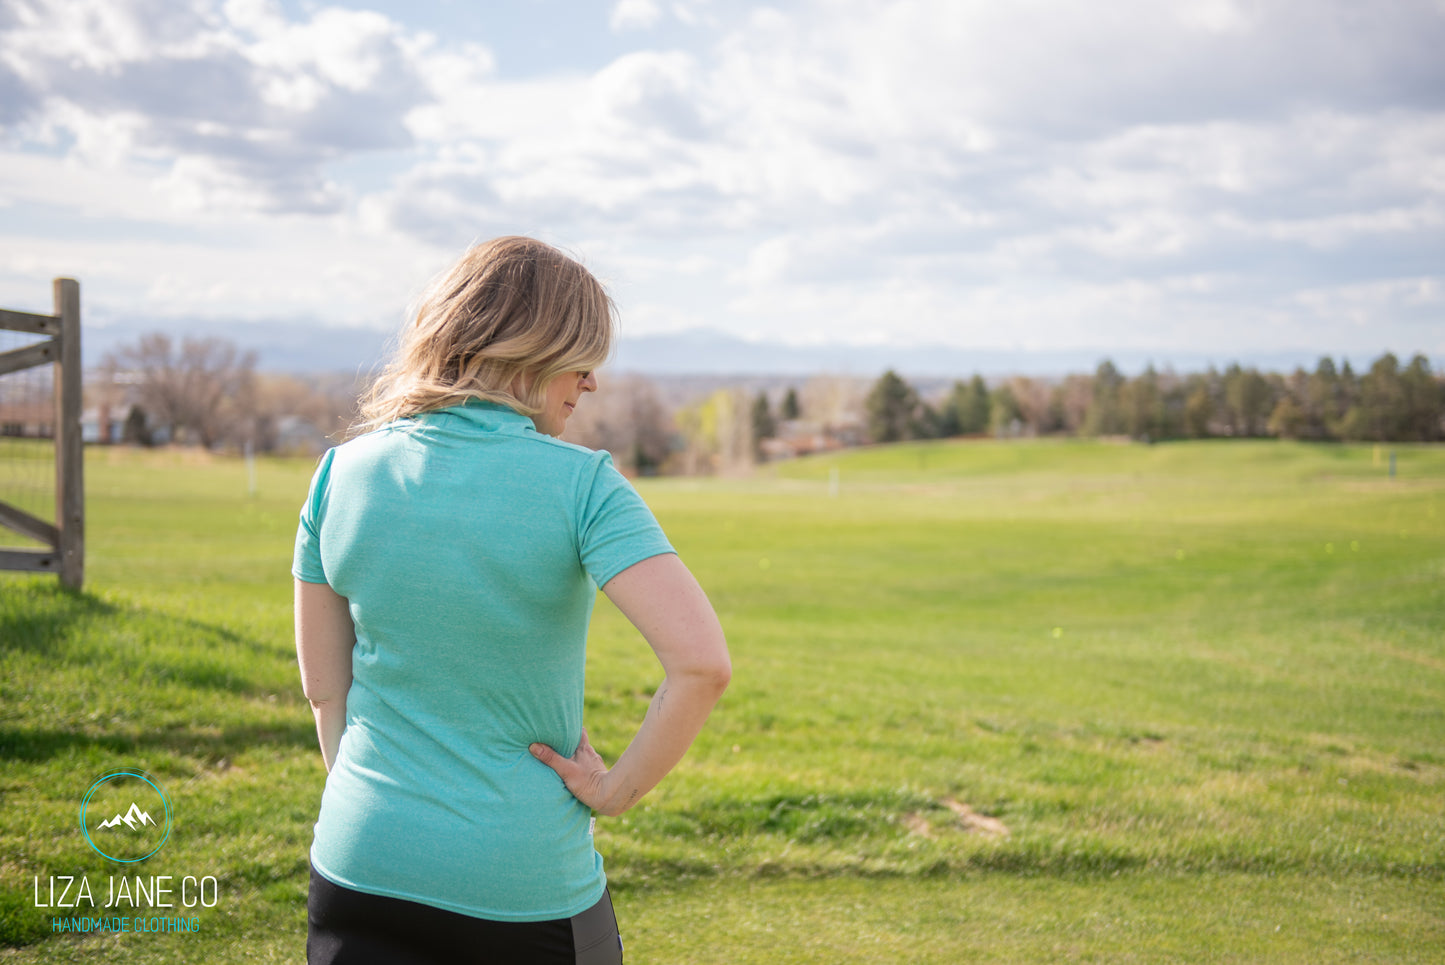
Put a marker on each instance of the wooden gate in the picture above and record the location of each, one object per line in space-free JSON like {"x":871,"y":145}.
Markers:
{"x":65,"y":539}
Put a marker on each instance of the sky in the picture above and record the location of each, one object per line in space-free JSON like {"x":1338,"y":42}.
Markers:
{"x":1170,"y":178}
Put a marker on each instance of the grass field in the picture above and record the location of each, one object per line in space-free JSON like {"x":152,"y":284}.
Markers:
{"x":1030,"y":702}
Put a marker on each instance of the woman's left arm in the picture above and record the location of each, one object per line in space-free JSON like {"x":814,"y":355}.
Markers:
{"x":324,"y":640}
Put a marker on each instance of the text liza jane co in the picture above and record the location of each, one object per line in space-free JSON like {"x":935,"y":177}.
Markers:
{"x":160,"y":891}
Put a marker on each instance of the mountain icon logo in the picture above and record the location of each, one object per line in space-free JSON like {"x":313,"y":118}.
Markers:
{"x":125,"y":816}
{"x":130,"y":819}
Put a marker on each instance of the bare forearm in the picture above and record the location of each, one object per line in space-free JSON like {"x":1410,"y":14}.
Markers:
{"x":662,"y":600}
{"x":324,"y":638}
{"x":674,"y":718}
{"x":330,"y":723}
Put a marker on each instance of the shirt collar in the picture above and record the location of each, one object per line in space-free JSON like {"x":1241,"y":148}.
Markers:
{"x":484,"y":414}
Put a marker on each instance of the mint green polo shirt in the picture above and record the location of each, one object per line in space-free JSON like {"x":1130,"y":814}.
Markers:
{"x":470,"y":548}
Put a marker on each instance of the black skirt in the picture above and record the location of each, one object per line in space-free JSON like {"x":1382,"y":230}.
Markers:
{"x":346,"y":927}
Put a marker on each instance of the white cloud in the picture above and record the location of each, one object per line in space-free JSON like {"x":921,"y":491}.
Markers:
{"x":1215,"y":16}
{"x":634,"y":15}
{"x":347,"y":49}
{"x":654,"y":93}
{"x":244,"y":107}
{"x":960,"y":170}
{"x":328,"y":270}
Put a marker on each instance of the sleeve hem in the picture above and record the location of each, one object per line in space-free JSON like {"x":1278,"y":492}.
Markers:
{"x":647,"y":555}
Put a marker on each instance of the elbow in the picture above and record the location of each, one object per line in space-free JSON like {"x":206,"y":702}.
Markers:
{"x":323,"y":696}
{"x":325,"y":685}
{"x":719,"y":671}
{"x":713,"y":682}
{"x":722,"y":675}
{"x":320,"y":705}
{"x":711,"y":676}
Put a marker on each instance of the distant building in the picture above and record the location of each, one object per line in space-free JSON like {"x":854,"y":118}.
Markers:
{"x":102,"y":425}
{"x":799,"y":437}
{"x":27,"y":419}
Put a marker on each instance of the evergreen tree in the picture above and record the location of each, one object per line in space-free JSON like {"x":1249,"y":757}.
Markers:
{"x":1379,"y":411}
{"x":1174,"y":396}
{"x":1006,"y":416}
{"x":1142,"y":406}
{"x":1424,"y":402}
{"x":791,"y":410}
{"x":1324,"y":401}
{"x":967,"y":409}
{"x":1198,"y":408}
{"x":1248,"y":401}
{"x":1349,"y":389}
{"x":927,"y":423}
{"x":137,"y":430}
{"x":764,"y":426}
{"x":891,"y":406}
{"x":1287,"y":420}
{"x":1105,"y":417}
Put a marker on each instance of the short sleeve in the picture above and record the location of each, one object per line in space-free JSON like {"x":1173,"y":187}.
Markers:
{"x":306,"y":560}
{"x":616,"y":528}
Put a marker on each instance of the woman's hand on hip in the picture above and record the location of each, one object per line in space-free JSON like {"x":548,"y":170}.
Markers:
{"x":584,"y":773}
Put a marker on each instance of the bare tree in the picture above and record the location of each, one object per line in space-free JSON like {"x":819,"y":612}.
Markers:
{"x":202,"y":388}
{"x":626,"y":418}
{"x":1074,"y":396}
{"x":1036,"y":404}
{"x":832,"y":400}
{"x":304,"y":414}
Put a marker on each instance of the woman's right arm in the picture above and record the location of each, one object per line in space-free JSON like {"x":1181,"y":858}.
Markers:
{"x":325,"y":636}
{"x":666,"y":604}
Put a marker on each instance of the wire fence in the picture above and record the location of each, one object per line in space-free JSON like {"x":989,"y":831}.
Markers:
{"x":27,"y":436}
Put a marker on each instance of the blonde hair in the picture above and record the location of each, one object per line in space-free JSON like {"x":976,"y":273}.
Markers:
{"x":510,"y":316}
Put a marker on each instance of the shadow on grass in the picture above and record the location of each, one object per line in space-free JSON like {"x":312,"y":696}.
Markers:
{"x":88,"y":681}
{"x":198,"y":650}
{"x":74,"y":629}
{"x":83,"y":674}
{"x":37,"y":745}
{"x":38,"y":615}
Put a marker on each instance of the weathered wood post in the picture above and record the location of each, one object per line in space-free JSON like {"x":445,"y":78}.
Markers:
{"x":70,"y":453}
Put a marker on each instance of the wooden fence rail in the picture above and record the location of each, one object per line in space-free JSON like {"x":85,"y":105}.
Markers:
{"x":65,"y":539}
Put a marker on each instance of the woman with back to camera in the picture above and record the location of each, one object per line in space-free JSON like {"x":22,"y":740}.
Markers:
{"x":446,"y":565}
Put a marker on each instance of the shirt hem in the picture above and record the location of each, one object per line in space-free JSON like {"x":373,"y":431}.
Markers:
{"x":486,"y":914}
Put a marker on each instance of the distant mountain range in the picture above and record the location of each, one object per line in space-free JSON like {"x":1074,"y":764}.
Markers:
{"x":716,"y":353}
{"x":302,"y":347}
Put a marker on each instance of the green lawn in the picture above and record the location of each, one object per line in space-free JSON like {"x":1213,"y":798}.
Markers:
{"x":1032,"y":702}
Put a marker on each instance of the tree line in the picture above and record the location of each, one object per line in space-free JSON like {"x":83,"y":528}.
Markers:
{"x":1389,"y":402}
{"x":206,"y":392}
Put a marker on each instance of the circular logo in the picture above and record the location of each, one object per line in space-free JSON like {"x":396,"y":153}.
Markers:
{"x":125,"y":816}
